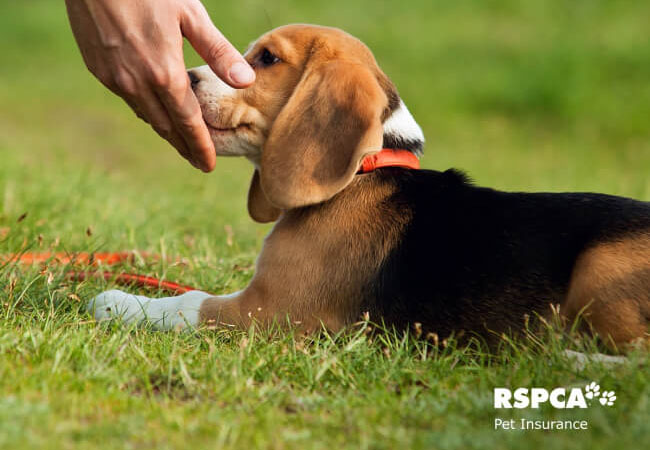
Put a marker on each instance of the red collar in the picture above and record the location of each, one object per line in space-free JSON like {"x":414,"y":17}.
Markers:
{"x":389,"y":157}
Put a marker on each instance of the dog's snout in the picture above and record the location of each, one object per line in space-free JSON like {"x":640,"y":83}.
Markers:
{"x":194,"y":79}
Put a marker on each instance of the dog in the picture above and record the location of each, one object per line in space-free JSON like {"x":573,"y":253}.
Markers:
{"x":359,"y":229}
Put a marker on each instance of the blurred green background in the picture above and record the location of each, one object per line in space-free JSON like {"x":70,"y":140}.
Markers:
{"x":534,"y":95}
{"x":523,"y":95}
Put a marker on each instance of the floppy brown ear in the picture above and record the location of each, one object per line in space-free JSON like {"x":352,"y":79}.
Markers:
{"x":315,"y":146}
{"x":259,"y":207}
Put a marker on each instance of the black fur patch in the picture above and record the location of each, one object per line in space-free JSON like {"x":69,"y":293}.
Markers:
{"x":414,"y":145}
{"x":481,"y":260}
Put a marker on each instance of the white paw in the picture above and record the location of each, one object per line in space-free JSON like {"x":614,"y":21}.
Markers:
{"x":114,"y":304}
{"x":163,"y":313}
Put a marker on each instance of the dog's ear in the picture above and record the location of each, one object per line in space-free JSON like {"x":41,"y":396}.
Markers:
{"x":259,"y":207}
{"x":331,"y":121}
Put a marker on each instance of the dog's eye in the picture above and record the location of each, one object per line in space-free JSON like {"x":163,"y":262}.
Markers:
{"x":268,"y":59}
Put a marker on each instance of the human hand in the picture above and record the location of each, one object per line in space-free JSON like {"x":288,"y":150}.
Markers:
{"x":135,"y":48}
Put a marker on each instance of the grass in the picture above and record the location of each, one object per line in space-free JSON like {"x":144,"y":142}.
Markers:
{"x":535,"y":95}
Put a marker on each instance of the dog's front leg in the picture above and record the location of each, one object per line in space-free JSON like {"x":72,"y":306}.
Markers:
{"x":188,"y":310}
{"x":163,"y":313}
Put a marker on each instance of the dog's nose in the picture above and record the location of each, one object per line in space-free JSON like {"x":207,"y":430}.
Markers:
{"x":194,"y":79}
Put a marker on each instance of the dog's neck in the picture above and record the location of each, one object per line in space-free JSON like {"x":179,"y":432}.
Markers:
{"x":402,"y":131}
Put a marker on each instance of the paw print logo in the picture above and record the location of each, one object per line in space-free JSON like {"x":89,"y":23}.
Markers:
{"x":592,"y":390}
{"x":608,"y":398}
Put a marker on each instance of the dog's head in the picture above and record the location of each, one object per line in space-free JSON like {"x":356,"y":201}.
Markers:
{"x":319,"y":105}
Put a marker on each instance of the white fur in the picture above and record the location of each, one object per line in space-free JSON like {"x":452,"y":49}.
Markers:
{"x":222,"y":109}
{"x":401,"y":123}
{"x":163,"y":313}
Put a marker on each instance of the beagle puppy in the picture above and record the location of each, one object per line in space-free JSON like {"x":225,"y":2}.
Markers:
{"x":407,"y":246}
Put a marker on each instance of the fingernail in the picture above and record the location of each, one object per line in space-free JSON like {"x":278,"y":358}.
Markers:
{"x":241,"y":73}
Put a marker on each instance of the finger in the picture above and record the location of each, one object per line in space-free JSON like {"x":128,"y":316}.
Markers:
{"x":177,"y":141}
{"x":185,"y":113}
{"x":214,"y":48}
{"x":171,"y":108}
{"x":136,"y":109}
{"x":150,"y":108}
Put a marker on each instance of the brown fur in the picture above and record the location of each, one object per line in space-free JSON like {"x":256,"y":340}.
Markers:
{"x":325,"y":105}
{"x":330,"y":251}
{"x":259,"y":207}
{"x":610,"y":286}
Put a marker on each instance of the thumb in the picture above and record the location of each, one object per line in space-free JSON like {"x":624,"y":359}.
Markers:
{"x":214,"y":48}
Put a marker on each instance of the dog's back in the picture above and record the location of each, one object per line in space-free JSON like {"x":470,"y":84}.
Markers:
{"x":481,"y":260}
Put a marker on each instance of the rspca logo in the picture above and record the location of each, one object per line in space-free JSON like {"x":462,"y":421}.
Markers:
{"x":559,"y":398}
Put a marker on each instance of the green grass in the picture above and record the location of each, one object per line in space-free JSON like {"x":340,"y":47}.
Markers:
{"x":533,"y":95}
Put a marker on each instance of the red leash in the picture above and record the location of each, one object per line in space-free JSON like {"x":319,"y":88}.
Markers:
{"x":93,"y":259}
{"x":133,"y":279}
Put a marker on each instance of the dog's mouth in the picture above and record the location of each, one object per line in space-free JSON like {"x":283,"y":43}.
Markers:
{"x":222,"y":130}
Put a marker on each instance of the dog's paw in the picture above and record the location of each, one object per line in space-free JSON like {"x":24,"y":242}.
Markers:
{"x":118,"y":305}
{"x":163,"y":313}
